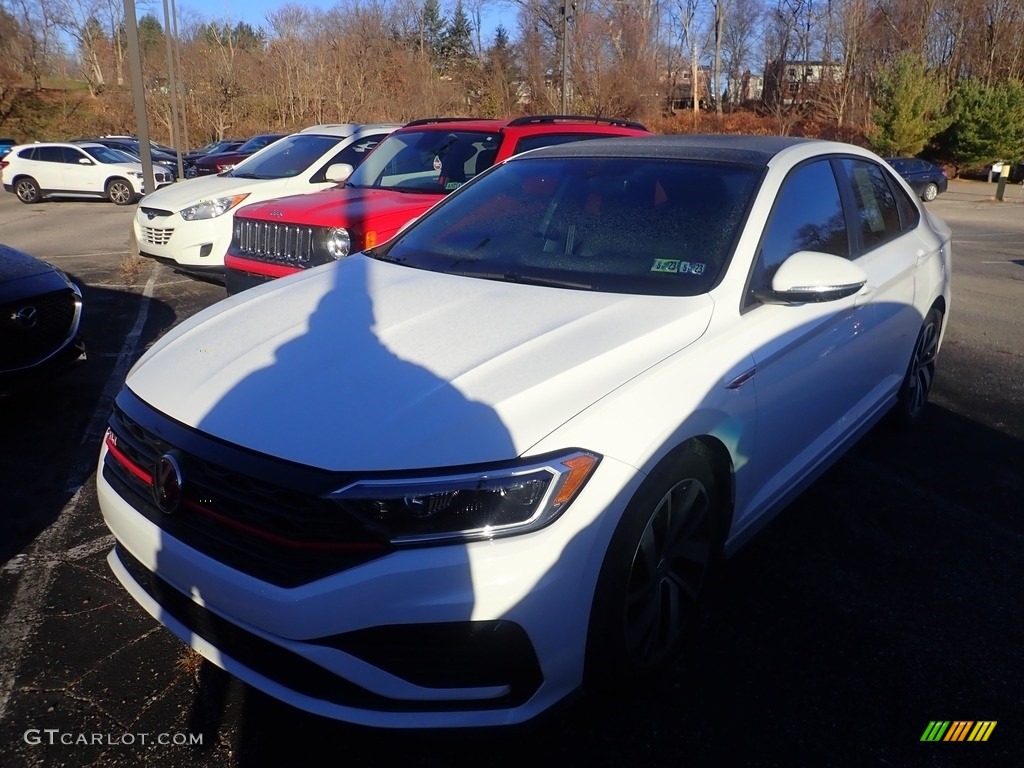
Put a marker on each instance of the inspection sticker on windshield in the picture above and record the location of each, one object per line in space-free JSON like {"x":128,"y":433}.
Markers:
{"x":678,"y":267}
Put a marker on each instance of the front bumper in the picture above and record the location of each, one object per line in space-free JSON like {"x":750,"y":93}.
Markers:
{"x":193,"y":245}
{"x":480,"y":634}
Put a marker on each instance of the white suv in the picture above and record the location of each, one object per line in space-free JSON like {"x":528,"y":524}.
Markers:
{"x":188,"y":226}
{"x":35,"y":171}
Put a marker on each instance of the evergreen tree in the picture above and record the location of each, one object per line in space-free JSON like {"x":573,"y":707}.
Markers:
{"x":456,"y":44}
{"x":911,"y":107}
{"x":988,"y":124}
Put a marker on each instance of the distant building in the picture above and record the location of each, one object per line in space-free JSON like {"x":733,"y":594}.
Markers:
{"x":794,"y":82}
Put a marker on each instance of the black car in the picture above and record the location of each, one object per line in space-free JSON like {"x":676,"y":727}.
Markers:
{"x":40,"y":317}
{"x":926,"y":179}
{"x":190,"y":158}
{"x":161,"y":157}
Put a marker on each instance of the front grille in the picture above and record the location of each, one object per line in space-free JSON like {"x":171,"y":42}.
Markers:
{"x":276,"y":531}
{"x":286,"y":244}
{"x":156,"y":235}
{"x":154,"y":212}
{"x":33,"y":329}
{"x":161,"y":177}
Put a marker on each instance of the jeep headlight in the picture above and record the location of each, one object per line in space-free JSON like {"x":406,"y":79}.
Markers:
{"x":211,"y":209}
{"x":484,"y":504}
{"x":338,"y":243}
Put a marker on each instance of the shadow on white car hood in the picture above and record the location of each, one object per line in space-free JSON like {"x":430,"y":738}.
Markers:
{"x":366,"y":365}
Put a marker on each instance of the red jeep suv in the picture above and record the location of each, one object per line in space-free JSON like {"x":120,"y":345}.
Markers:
{"x":407,"y":173}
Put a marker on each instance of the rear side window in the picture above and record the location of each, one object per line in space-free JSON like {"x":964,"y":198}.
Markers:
{"x":28,"y":153}
{"x":807,"y":216}
{"x":50,"y":154}
{"x":876,"y":205}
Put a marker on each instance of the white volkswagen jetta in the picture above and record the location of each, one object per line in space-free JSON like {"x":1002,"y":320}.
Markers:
{"x":454,"y":479}
{"x":188,"y":225}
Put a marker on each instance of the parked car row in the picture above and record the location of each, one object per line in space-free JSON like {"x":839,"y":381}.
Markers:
{"x":195,"y":225}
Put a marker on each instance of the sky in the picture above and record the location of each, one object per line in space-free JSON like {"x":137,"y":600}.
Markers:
{"x":254,"y":12}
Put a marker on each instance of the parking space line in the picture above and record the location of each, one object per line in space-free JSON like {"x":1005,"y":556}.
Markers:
{"x":49,"y":549}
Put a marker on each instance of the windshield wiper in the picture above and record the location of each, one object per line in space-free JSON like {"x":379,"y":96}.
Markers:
{"x":515,"y":277}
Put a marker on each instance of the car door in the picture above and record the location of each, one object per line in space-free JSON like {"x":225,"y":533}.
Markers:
{"x":889,"y":250}
{"x":810,"y":376}
{"x":79,"y":171}
{"x":47,"y":168}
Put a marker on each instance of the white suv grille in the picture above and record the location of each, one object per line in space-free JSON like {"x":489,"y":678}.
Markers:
{"x":156,"y":235}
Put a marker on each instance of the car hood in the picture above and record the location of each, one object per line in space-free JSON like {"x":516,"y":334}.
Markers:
{"x":15,"y":265}
{"x":365,"y":365}
{"x":352,"y":207}
{"x":191,"y":191}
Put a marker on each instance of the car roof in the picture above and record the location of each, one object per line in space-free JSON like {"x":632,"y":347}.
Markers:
{"x":346,"y":129}
{"x":747,"y":150}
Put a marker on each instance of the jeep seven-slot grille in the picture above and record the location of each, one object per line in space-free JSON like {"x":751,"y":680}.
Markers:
{"x":278,"y":534}
{"x":287,"y":244}
{"x":34,"y":328}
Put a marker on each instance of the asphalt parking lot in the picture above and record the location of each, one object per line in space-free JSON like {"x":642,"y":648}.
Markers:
{"x":888,"y":596}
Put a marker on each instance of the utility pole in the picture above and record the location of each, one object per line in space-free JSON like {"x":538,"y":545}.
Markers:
{"x":567,"y":7}
{"x":172,"y":84}
{"x":139,"y":94}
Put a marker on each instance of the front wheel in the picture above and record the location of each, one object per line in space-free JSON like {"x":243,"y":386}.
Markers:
{"x":120,"y":192}
{"x":655,"y":570}
{"x":930,"y":192}
{"x":28,"y":190}
{"x":917,"y":383}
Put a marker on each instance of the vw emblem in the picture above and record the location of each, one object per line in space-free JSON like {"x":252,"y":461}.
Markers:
{"x":167,"y":483}
{"x":27,"y":317}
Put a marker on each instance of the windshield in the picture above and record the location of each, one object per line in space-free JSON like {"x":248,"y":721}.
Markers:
{"x":622,"y":225}
{"x":289,"y":156}
{"x":427,"y":161}
{"x":107,"y":155}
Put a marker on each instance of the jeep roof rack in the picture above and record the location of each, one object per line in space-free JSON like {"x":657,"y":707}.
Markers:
{"x":617,"y":121}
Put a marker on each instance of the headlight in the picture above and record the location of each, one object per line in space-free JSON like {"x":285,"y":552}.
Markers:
{"x":339,"y":242}
{"x":466,"y":507}
{"x":136,"y":174}
{"x":228,"y":167}
{"x":211,"y":209}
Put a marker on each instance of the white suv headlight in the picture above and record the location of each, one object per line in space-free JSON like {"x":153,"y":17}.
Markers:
{"x":211,"y":209}
{"x":478,"y":505}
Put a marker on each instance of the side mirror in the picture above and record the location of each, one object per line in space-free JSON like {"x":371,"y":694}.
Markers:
{"x":84,"y":161}
{"x":809,"y":277}
{"x":338,"y":172}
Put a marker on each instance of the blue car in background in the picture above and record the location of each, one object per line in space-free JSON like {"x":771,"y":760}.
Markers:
{"x":926,"y":179}
{"x":5,"y":145}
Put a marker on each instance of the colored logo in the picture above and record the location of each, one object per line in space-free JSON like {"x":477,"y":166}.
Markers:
{"x":958,"y":730}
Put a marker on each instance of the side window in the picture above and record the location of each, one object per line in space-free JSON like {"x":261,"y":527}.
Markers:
{"x":807,"y":216}
{"x":354,"y":153}
{"x":28,"y":154}
{"x":50,"y":154}
{"x":876,"y":206}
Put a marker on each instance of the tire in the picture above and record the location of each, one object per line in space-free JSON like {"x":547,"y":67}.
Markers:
{"x":28,"y":190}
{"x":656,"y":568}
{"x":917,"y":383}
{"x":120,"y":192}
{"x":930,"y":192}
